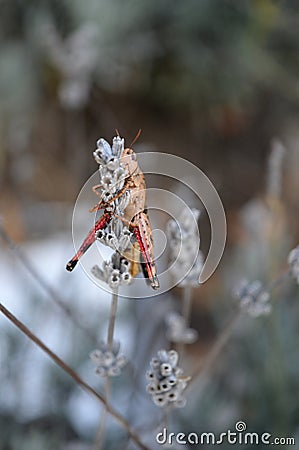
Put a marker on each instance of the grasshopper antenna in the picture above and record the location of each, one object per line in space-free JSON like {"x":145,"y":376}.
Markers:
{"x":135,"y":138}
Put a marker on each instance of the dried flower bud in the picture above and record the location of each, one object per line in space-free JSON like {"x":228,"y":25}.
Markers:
{"x":184,"y":242}
{"x":103,"y":153}
{"x":115,"y":272}
{"x":108,"y":363}
{"x":166,"y":385}
{"x":118,"y":146}
{"x":177,"y":330}
{"x":254,"y":299}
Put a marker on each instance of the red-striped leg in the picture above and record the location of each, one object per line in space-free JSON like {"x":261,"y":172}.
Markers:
{"x":101,"y":223}
{"x":142,"y":231}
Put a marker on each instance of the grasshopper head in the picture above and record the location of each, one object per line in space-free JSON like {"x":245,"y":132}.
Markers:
{"x":129,"y":161}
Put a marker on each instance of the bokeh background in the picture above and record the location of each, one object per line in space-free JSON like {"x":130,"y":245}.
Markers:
{"x":214,"y":81}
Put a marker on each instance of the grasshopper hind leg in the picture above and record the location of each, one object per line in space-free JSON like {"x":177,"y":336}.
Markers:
{"x":152,"y":281}
{"x":144,"y":270}
{"x":141,"y":230}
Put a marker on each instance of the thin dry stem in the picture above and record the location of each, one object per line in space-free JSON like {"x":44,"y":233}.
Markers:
{"x":112,"y":318}
{"x":186,"y":313}
{"x":206,"y":365}
{"x":117,"y":416}
{"x":284,"y":276}
{"x":166,"y":416}
{"x":100,"y":435}
{"x":187,"y":304}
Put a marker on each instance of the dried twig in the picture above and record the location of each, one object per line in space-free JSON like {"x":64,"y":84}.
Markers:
{"x":117,"y":416}
{"x":206,"y":365}
{"x":186,"y":312}
{"x":100,"y":435}
{"x":112,"y":318}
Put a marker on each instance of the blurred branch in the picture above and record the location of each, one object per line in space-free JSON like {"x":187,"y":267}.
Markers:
{"x":100,"y":436}
{"x":186,"y":313}
{"x":205,"y":366}
{"x":112,"y":318}
{"x":187,"y":304}
{"x":118,"y":417}
{"x":284,"y":276}
{"x":54,"y":295}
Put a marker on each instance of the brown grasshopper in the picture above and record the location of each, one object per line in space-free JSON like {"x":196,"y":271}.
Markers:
{"x":135,"y":216}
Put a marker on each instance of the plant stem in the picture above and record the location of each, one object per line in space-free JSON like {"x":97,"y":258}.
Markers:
{"x":117,"y":416}
{"x":100,"y":435}
{"x":112,"y":318}
{"x":186,"y":312}
{"x":165,"y":419}
{"x":187,"y":304}
{"x":277,"y":282}
{"x":205,"y":366}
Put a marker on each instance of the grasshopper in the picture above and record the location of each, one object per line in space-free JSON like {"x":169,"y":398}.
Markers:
{"x":135,"y":216}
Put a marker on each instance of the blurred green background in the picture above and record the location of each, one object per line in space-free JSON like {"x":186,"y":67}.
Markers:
{"x":214,"y":81}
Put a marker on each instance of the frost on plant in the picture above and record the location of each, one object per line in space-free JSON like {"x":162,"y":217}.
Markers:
{"x":177,"y":330}
{"x":293,"y":260}
{"x":166,"y":383}
{"x":108,"y":362}
{"x":253,"y":297}
{"x":184,"y":241}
